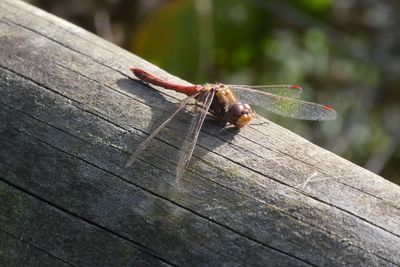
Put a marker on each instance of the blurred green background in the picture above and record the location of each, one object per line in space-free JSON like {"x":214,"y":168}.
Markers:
{"x":344,"y":53}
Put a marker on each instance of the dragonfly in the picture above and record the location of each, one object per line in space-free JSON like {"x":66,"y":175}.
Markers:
{"x":220,"y":100}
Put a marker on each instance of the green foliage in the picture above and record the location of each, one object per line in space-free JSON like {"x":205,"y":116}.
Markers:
{"x":169,"y":38}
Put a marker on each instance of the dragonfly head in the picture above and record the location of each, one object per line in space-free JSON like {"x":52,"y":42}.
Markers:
{"x":239,"y":114}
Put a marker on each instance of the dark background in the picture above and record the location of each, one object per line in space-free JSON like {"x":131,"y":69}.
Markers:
{"x":344,"y":53}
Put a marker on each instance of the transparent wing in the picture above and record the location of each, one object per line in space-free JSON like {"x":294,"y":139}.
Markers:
{"x":147,"y":141}
{"x":194,"y":131}
{"x":286,"y":106}
{"x":292,"y":91}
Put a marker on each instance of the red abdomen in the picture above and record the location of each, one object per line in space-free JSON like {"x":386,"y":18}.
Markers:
{"x":149,"y":78}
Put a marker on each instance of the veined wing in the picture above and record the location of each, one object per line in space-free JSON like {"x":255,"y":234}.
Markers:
{"x":286,"y":106}
{"x":292,"y":91}
{"x":192,"y":135}
{"x":147,"y":141}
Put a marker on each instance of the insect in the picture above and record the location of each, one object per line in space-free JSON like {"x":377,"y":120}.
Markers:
{"x":220,"y":100}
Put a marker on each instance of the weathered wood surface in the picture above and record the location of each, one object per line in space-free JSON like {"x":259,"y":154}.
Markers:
{"x":70,"y":115}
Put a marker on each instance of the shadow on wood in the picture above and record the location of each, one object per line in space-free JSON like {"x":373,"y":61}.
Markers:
{"x":71,"y":116}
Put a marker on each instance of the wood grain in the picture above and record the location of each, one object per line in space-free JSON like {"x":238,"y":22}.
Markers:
{"x":71,"y":114}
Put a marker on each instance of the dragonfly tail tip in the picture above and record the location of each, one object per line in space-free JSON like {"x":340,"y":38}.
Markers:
{"x":297,"y":87}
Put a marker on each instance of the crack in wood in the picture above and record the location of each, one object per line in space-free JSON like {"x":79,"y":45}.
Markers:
{"x":34,"y":246}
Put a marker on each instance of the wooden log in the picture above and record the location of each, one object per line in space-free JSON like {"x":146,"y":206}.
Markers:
{"x":70,"y":116}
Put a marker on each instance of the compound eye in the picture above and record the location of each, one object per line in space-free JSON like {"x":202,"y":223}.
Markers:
{"x":236,"y":109}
